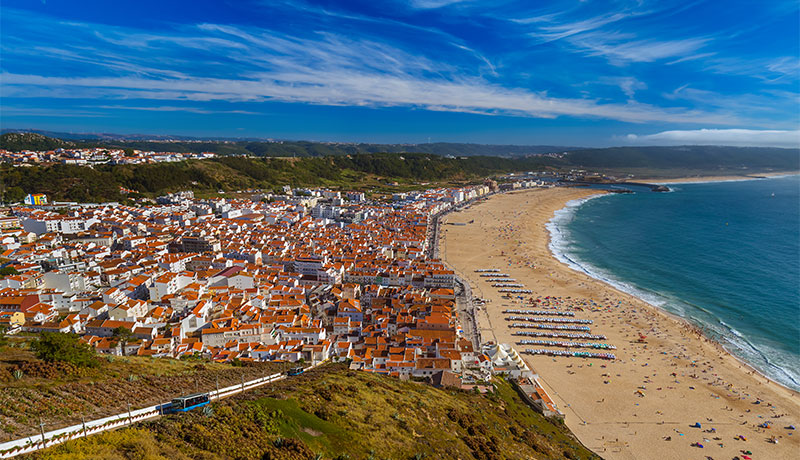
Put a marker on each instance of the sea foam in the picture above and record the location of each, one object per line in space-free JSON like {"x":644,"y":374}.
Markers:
{"x":771,"y":362}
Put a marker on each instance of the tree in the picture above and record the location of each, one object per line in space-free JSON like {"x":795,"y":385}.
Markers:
{"x":55,"y":346}
{"x":5,"y":271}
{"x":124,"y":335}
{"x":14,"y":194}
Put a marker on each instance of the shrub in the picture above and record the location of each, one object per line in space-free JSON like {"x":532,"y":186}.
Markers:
{"x":55,"y":346}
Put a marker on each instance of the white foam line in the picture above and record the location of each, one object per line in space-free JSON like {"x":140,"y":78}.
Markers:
{"x":559,"y":246}
{"x":719,"y":181}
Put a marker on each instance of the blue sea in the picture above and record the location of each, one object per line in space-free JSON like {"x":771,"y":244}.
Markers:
{"x":723,"y":255}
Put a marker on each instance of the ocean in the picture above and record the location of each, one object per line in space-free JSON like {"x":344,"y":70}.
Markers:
{"x":723,"y":255}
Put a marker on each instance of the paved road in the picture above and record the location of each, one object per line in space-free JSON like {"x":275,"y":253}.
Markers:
{"x":464,"y":305}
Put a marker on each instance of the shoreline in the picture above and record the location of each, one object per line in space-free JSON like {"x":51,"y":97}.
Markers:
{"x":600,"y":398}
{"x":712,"y":179}
{"x":674,"y":316}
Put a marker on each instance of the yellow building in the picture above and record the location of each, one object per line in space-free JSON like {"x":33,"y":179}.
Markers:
{"x":11,"y":319}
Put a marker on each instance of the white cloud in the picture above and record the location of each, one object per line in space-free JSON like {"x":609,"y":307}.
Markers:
{"x":621,"y":48}
{"x":248,"y":64}
{"x":168,"y":108}
{"x":628,"y":85}
{"x":733,"y":137}
{"x":432,"y":4}
{"x":559,"y":31}
{"x":350,"y":87}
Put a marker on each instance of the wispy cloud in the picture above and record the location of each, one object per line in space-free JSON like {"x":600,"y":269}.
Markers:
{"x":344,"y":87}
{"x":628,"y":85}
{"x":169,"y":108}
{"x":621,"y":44}
{"x":323,"y":68}
{"x":544,"y":65}
{"x":559,"y":31}
{"x":623,"y":48}
{"x":764,"y":102}
{"x":734,"y":137}
{"x":432,"y":4}
{"x":771,"y":70}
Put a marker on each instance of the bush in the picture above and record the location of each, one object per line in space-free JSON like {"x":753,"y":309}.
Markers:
{"x":55,"y":346}
{"x":8,"y":271}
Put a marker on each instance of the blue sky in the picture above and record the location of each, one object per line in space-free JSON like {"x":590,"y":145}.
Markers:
{"x":588,"y":73}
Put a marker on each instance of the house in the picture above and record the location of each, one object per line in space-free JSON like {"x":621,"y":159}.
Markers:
{"x":350,"y":308}
{"x":105,"y":328}
{"x":11,"y":319}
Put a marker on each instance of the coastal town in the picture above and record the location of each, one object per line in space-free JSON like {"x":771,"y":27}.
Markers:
{"x":309,"y":276}
{"x":432,"y":286}
{"x":427,"y":229}
{"x":95,"y":156}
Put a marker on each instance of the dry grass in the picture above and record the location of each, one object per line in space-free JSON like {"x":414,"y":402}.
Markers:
{"x":333,"y":411}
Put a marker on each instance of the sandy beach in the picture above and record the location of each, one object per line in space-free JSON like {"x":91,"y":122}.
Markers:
{"x":641,"y":405}
{"x":728,"y":178}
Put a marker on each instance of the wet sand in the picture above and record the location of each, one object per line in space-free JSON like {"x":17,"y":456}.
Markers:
{"x":653,"y":391}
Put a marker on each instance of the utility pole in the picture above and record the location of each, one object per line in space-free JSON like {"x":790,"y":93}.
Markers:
{"x":83,"y":422}
{"x":41,"y":429}
{"x":130,"y":418}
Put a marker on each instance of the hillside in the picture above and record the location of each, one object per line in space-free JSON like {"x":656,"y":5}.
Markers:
{"x":690,"y":157}
{"x":102,"y":183}
{"x":694,"y":157}
{"x":340,"y":165}
{"x":62,"y":393}
{"x":332,"y":412}
{"x":288,"y":148}
{"x":31,"y":141}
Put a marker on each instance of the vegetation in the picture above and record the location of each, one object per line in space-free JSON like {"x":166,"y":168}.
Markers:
{"x":62,"y":393}
{"x":340,"y":165}
{"x":102,"y":183}
{"x":17,"y":141}
{"x":31,"y":141}
{"x":332,"y":412}
{"x":5,"y":271}
{"x":55,"y":346}
{"x":697,"y":157}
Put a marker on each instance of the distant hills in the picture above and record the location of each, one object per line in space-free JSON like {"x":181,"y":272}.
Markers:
{"x":679,"y":157}
{"x":246,"y":165}
{"x":17,"y":141}
{"x":697,"y":157}
{"x":279,"y":148}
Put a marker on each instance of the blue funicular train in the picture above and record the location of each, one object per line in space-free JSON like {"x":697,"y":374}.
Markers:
{"x":185,"y":403}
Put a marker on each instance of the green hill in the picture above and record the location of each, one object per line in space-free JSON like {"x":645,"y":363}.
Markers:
{"x":101,"y":183}
{"x":341,"y":165}
{"x":15,"y":142}
{"x":697,"y":157}
{"x":332,"y":412}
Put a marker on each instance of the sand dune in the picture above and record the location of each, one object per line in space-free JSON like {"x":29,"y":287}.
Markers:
{"x":640,"y":406}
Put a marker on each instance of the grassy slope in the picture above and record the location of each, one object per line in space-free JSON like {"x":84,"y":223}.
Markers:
{"x":333,"y":411}
{"x":61,"y":394}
